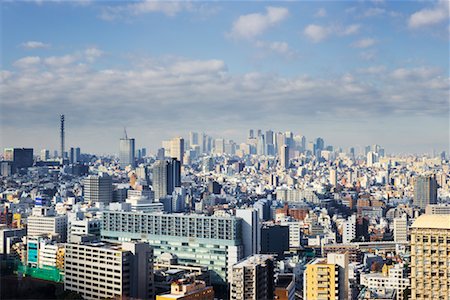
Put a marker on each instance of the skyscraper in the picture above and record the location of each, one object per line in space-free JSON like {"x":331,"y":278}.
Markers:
{"x":284,"y":156}
{"x":126,"y":151}
{"x":430,"y":268}
{"x":45,"y":154}
{"x":62,"y":137}
{"x":166,"y":176}
{"x":333,"y":176}
{"x":425,"y":191}
{"x":177,"y":148}
{"x":193,"y":138}
{"x":98,"y":188}
{"x":20,"y":157}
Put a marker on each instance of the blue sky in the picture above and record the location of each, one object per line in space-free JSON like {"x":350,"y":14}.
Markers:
{"x":353,"y":72}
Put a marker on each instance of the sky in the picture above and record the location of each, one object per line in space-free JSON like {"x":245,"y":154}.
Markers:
{"x":355,"y":73}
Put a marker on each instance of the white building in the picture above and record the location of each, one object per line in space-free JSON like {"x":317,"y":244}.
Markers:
{"x":98,"y":188}
{"x":392,"y":277}
{"x":251,"y":230}
{"x":401,"y":229}
{"x":349,"y":229}
{"x":44,"y":222}
{"x":104,"y":270}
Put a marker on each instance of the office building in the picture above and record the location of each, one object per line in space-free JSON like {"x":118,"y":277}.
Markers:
{"x":333,"y":177}
{"x":188,"y":290}
{"x":45,"y":155}
{"x":425,"y":191}
{"x":251,"y":230}
{"x":211,"y":241}
{"x":20,"y":157}
{"x":98,"y":188}
{"x":127,"y":152}
{"x":284,"y":156}
{"x":401,"y":229}
{"x":177,"y":149}
{"x":166,"y":176}
{"x":253,"y":278}
{"x":80,"y":225}
{"x":102,"y":270}
{"x":438,"y":209}
{"x":43,"y":221}
{"x":326,"y":278}
{"x":430,"y":259}
{"x":284,"y":287}
{"x":274,"y":240}
{"x":349,"y":229}
{"x":8,"y":236}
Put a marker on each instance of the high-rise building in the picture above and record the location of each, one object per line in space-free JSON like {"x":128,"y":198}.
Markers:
{"x":251,"y":230}
{"x":333,"y":176}
{"x":253,"y":278}
{"x":177,"y":148}
{"x":211,"y":241}
{"x":98,"y":188}
{"x":166,"y":176}
{"x":77,"y":157}
{"x":45,"y":155}
{"x":127,"y":151}
{"x":219,"y":146}
{"x":101,"y":270}
{"x":284,"y":156}
{"x":326,"y":278}
{"x":62,"y":139}
{"x":430,"y":259}
{"x":193,"y":138}
{"x":72,"y":155}
{"x":401,"y":229}
{"x":425,"y":191}
{"x":349,"y":229}
{"x":20,"y":157}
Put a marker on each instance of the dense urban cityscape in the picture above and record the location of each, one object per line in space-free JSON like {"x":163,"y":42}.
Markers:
{"x":279,"y":216}
{"x":229,"y":150}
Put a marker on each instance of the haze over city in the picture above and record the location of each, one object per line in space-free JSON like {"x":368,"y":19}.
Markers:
{"x":354,"y":73}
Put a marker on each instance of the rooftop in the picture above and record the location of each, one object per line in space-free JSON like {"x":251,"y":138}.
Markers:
{"x":432,"y":222}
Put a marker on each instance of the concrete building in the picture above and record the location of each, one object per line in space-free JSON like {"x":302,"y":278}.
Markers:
{"x":104,"y":270}
{"x":98,"y":188}
{"x":430,"y":259}
{"x":43,"y":221}
{"x":251,"y":230}
{"x":8,"y":236}
{"x":166,"y":176}
{"x":284,"y":287}
{"x":215,"y":242}
{"x":425,"y":191}
{"x":188,"y":290}
{"x":177,"y":149}
{"x":284,"y":156}
{"x":401,"y":229}
{"x":127,"y":152}
{"x":79,"y":225}
{"x":349,"y":230}
{"x":392,"y":277}
{"x":253,"y":278}
{"x":438,"y":209}
{"x":326,"y":278}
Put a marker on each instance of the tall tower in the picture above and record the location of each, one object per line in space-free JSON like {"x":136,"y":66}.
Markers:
{"x":62,"y":138}
{"x":126,"y":151}
{"x":425,"y":191}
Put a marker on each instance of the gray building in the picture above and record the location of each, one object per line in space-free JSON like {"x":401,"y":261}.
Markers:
{"x":210,"y":241}
{"x":98,"y":188}
{"x":425,"y":191}
{"x":166,"y":175}
{"x":127,"y":152}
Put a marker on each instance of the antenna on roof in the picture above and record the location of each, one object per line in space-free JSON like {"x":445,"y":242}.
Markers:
{"x":125,"y":132}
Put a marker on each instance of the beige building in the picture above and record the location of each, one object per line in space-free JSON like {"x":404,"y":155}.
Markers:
{"x":103,"y":270}
{"x":177,"y":148}
{"x":430,"y":257}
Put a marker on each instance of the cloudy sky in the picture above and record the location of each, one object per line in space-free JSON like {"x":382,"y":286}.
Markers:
{"x":352,"y":72}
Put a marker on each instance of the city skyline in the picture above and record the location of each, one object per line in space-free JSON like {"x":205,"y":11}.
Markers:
{"x":353,"y":73}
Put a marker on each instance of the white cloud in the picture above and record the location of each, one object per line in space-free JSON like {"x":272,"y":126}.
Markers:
{"x":198,"y":67}
{"x":281,"y":48}
{"x":321,"y":12}
{"x":92,"y":54}
{"x":430,"y":16}
{"x":252,"y":25}
{"x":60,"y":61}
{"x":318,"y":33}
{"x":368,"y":55}
{"x":349,"y":30}
{"x":35,"y":45}
{"x":27,"y":62}
{"x":364,"y":43}
{"x":169,"y":8}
